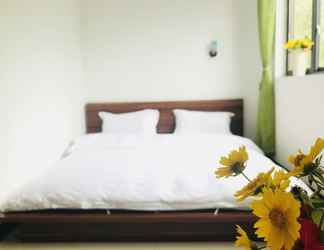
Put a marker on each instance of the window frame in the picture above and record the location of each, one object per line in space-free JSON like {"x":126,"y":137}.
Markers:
{"x":316,"y":37}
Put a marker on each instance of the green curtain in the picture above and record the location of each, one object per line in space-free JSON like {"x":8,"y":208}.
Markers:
{"x":266,"y":116}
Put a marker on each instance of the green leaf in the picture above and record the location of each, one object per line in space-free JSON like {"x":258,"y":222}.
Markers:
{"x":322,"y":237}
{"x":317,"y":217}
{"x":318,"y":203}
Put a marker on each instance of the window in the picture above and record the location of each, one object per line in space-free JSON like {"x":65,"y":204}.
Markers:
{"x":306,"y":19}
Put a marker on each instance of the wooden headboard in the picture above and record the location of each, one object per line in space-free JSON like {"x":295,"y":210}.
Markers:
{"x":167,"y":120}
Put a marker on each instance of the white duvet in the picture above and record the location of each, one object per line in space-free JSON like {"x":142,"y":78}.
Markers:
{"x":160,"y":172}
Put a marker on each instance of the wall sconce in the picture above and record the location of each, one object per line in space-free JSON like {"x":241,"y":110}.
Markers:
{"x":213,"y":49}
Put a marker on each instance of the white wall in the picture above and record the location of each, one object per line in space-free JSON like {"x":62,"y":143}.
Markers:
{"x":250,"y":67}
{"x":4,"y":125}
{"x":157,"y":50}
{"x":41,"y":89}
{"x":299,"y":113}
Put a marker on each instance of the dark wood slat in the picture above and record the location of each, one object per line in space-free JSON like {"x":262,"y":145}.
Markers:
{"x":83,"y":227}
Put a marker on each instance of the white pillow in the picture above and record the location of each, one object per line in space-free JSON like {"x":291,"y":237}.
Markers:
{"x":140,"y":122}
{"x":195,"y":122}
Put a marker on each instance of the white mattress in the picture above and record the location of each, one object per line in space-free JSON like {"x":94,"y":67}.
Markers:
{"x":160,"y":172}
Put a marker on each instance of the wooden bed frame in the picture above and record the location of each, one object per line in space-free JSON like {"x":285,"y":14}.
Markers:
{"x":98,"y":225}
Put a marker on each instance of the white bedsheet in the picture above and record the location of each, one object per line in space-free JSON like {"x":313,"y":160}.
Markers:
{"x":160,"y":172}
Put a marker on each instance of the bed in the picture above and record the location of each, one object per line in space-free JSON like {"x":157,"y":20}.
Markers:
{"x":56,"y":221}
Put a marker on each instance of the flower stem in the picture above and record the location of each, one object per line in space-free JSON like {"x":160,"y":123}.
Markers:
{"x":321,"y":222}
{"x":249,"y":180}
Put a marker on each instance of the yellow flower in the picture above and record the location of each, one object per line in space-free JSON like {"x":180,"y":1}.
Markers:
{"x":280,"y":180}
{"x":242,"y":240}
{"x":234,"y":163}
{"x":299,"y":44}
{"x":255,"y":186}
{"x":278,"y":212}
{"x":270,"y":179}
{"x":304,"y":164}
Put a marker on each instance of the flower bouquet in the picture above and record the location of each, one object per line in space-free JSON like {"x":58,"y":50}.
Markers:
{"x":286,"y":217}
{"x":299,"y":50}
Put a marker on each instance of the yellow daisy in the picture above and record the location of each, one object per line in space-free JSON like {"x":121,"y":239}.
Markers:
{"x":234,"y":163}
{"x":242,"y":240}
{"x":255,"y":186}
{"x":280,"y":180}
{"x":304,"y":164}
{"x":278,"y":212}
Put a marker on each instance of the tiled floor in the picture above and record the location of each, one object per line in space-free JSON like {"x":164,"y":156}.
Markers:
{"x":121,"y":246}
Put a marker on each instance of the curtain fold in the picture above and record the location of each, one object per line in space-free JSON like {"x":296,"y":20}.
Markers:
{"x":266,"y":109}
